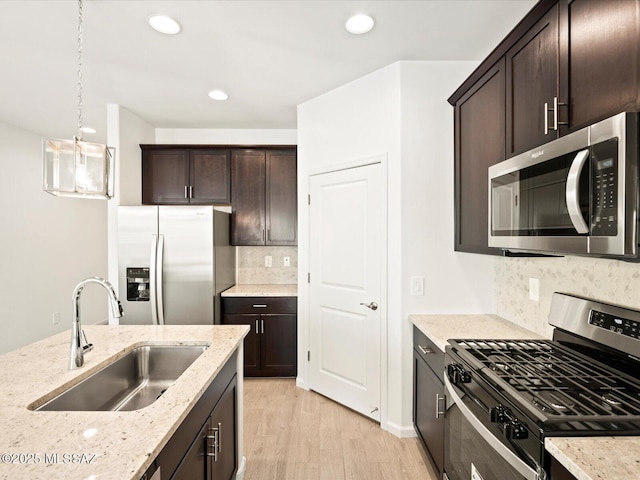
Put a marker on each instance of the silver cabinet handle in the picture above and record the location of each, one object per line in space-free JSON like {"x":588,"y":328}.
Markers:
{"x":256,"y":326}
{"x":438,"y":412}
{"x":371,"y":305}
{"x":219,"y":437}
{"x":546,"y":118}
{"x":215,"y":436}
{"x":262,"y":325}
{"x":259,"y":305}
{"x":572,"y":193}
{"x":190,"y":191}
{"x":186,"y":191}
{"x":425,"y":350}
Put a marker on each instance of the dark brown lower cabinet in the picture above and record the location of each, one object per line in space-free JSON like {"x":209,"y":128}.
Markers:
{"x":270,"y":348}
{"x":205,"y":445}
{"x":428,"y":398}
{"x":558,"y":472}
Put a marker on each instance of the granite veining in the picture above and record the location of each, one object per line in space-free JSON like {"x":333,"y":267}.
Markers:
{"x":597,"y":458}
{"x":440,"y":328}
{"x":98,"y":445}
{"x":261,"y":290}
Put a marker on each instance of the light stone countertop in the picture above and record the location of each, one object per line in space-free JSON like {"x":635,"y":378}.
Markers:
{"x":262,"y":290}
{"x":124,"y":443}
{"x":597,"y":458}
{"x":587,"y":458}
{"x":440,"y":328}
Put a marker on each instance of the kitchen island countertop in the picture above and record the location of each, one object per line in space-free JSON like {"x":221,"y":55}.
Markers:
{"x":262,"y":290}
{"x":98,"y":445}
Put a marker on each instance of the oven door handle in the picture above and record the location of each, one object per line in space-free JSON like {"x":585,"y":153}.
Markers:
{"x":572,"y":192}
{"x":523,"y":469}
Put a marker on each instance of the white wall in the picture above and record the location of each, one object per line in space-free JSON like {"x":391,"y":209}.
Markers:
{"x":219,"y":136}
{"x":400,"y":111}
{"x":47,"y":245}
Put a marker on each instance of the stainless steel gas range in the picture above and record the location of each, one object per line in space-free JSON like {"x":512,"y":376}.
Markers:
{"x":505,"y":396}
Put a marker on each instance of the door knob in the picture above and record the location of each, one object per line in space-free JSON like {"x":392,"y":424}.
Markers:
{"x":371,"y":305}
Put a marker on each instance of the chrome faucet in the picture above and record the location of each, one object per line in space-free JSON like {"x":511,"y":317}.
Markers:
{"x":79,"y":344}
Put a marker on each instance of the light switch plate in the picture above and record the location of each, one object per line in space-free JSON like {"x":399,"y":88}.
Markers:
{"x":268,"y":261}
{"x":417,"y":286}
{"x":287,"y":261}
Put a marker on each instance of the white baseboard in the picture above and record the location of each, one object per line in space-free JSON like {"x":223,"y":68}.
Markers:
{"x":400,"y":431}
{"x":301,"y":384}
{"x":241,"y":469}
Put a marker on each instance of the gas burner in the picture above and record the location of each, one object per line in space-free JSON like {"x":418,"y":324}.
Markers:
{"x":499,"y":362}
{"x":553,"y":401}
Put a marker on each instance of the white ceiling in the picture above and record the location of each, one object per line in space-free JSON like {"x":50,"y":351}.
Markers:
{"x":269,"y":56}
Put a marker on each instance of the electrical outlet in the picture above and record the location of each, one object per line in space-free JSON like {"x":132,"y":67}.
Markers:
{"x":534,"y":289}
{"x":417,"y":286}
{"x":287,"y":262}
{"x":268,"y":261}
{"x":55,"y":318}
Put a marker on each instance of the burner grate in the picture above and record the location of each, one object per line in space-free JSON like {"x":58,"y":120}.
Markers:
{"x":556,"y":380}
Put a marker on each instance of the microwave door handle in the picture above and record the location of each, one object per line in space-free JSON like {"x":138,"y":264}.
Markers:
{"x":516,"y":462}
{"x":573,"y":191}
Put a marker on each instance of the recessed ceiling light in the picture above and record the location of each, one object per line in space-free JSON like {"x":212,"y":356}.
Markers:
{"x":359,"y":24}
{"x":218,"y":95}
{"x":164,"y":24}
{"x":88,"y":130}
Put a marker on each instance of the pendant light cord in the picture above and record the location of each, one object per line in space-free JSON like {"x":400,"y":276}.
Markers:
{"x":80,"y":69}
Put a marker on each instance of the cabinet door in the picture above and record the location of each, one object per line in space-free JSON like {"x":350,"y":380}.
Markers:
{"x":223,"y":418}
{"x":251,"y":341}
{"x":278,"y":355}
{"x":194,"y":463}
{"x":532,"y":81}
{"x":248,"y":197}
{"x":165,"y":177}
{"x":600,"y":56}
{"x":210,"y":176}
{"x":281,"y":198}
{"x":479,"y":143}
{"x":428,"y":398}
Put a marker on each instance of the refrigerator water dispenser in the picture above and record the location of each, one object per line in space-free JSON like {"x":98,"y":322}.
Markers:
{"x":137,"y":284}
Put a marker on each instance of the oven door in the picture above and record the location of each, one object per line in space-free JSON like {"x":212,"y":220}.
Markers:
{"x":472,"y":451}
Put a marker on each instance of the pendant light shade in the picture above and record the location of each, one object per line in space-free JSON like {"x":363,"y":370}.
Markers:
{"x":73,"y":168}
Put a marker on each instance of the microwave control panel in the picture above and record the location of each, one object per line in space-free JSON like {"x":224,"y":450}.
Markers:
{"x":604,"y":188}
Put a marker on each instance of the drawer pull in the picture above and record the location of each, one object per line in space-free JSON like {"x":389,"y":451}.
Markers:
{"x":259,"y":305}
{"x":425,"y":350}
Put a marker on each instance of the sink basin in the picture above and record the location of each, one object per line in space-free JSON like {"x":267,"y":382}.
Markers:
{"x":129,"y":383}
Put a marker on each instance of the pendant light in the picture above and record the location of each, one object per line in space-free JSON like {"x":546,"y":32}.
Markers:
{"x":75,"y":168}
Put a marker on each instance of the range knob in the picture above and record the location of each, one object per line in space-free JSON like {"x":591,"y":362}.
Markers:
{"x":515,"y":430}
{"x":457,"y":374}
{"x":499,"y":414}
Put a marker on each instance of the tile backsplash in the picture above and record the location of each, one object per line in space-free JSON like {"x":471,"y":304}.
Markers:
{"x":251,"y":267}
{"x":611,"y":281}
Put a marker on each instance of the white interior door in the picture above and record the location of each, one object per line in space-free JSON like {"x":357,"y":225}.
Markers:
{"x":346,"y":227}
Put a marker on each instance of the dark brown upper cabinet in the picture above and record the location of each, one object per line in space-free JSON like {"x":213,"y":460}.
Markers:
{"x":479,"y":143}
{"x":185,"y":176}
{"x":532,"y":86}
{"x":600,"y":52}
{"x":264,"y":197}
{"x":567,"y":64}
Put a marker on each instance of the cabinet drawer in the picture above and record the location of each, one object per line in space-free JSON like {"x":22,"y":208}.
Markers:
{"x":259,"y":305}
{"x":429,"y":352}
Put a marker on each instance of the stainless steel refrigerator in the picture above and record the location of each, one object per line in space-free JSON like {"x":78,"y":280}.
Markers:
{"x":173,"y":264}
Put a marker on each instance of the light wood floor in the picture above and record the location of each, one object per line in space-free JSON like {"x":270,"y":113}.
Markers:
{"x":293,"y":434}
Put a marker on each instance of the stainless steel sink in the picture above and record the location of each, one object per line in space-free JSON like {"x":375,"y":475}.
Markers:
{"x":129,"y":383}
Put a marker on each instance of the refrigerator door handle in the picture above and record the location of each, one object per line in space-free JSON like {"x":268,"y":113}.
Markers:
{"x":153,"y":284}
{"x":160,"y":279}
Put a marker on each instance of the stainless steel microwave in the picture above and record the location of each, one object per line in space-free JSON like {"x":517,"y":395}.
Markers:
{"x":575,"y":195}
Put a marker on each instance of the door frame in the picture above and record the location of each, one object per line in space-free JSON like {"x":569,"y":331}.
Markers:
{"x":304,"y":304}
